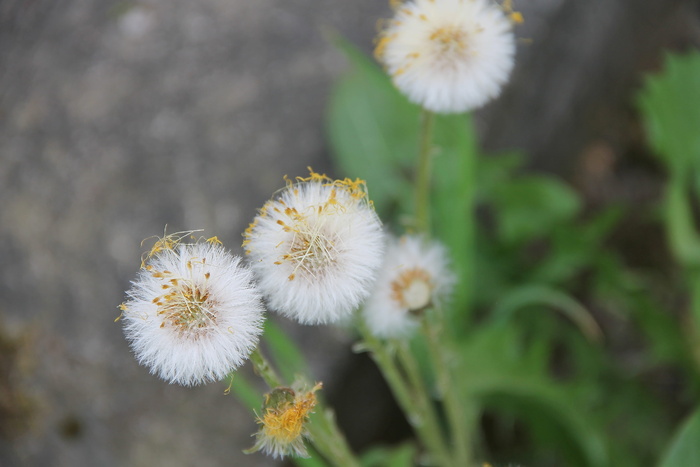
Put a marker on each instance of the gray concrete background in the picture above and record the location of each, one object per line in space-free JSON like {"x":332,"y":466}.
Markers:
{"x":117,"y":118}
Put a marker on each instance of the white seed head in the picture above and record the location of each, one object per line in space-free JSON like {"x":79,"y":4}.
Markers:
{"x":448,"y":56}
{"x":414,"y":276}
{"x":315,"y":249}
{"x":193,"y":314}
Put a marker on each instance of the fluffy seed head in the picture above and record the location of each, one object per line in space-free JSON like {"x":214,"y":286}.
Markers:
{"x":193,"y":314}
{"x":448,"y":55}
{"x":414,"y":276}
{"x":315,"y":248}
{"x":283,"y":422}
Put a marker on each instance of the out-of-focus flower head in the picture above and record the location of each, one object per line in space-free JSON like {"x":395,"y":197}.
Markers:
{"x":449,"y":56}
{"x":415,"y":275}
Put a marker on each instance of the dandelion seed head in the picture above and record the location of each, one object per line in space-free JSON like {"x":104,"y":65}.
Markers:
{"x":193,"y":314}
{"x":315,"y":248}
{"x":449,"y":55}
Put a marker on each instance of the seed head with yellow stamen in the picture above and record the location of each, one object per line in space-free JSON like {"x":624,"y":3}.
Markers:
{"x":415,"y":275}
{"x":193,"y":314}
{"x":448,"y":56}
{"x":315,"y":248}
{"x":283,"y":422}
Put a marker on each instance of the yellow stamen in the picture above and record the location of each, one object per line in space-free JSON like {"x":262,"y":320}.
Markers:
{"x":285,"y":423}
{"x":214,"y":241}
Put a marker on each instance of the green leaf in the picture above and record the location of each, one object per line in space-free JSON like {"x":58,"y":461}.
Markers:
{"x":375,"y":456}
{"x":496,"y":170}
{"x":315,"y":459}
{"x":684,"y":450}
{"x":285,"y":353}
{"x":671,"y":105}
{"x":573,"y":247}
{"x":381,"y":456}
{"x":528,"y":295}
{"x":403,"y":456}
{"x":683,"y":237}
{"x":453,"y":198}
{"x":245,"y":391}
{"x":373,"y":130}
{"x":514,"y":377}
{"x":531,"y":206}
{"x":627,"y":292}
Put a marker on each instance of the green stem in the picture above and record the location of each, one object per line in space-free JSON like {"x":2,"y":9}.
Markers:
{"x":264,"y":369}
{"x":328,"y":439}
{"x":448,"y":391}
{"x":324,"y":431}
{"x":693,"y":332}
{"x":415,"y":412}
{"x":408,"y":362}
{"x":423,"y":173}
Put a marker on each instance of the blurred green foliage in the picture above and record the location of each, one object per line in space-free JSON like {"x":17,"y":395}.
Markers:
{"x":549,"y":387}
{"x":685,"y":449}
{"x":399,"y":456}
{"x":670,"y":103}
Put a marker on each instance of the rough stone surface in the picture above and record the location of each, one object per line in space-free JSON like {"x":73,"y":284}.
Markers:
{"x":118,"y":118}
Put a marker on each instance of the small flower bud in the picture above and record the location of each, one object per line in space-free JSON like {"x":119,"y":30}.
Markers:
{"x":285,"y":414}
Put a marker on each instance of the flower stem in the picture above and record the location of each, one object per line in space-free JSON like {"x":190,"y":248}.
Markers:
{"x":328,"y":439}
{"x":422,"y":395}
{"x":448,"y":391}
{"x":416,"y":411}
{"x":264,"y":369}
{"x":325,"y":433}
{"x":423,"y":173}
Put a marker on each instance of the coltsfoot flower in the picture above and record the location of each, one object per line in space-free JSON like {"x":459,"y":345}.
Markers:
{"x":415,"y":275}
{"x":316,"y":248}
{"x":283,"y":422}
{"x":193,"y":314}
{"x":448,"y":55}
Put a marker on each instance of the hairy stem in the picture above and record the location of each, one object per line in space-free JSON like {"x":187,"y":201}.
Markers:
{"x":422,"y":396}
{"x":448,"y":391}
{"x":264,"y":369}
{"x":414,"y":407}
